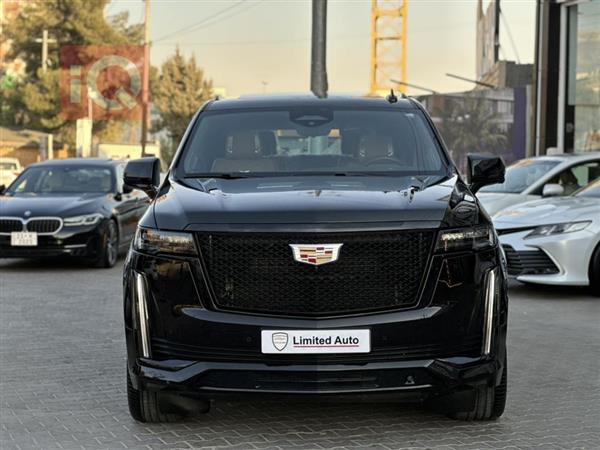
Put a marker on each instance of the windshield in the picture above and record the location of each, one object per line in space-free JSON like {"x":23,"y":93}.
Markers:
{"x":521,"y":175}
{"x":591,"y":190}
{"x":311,"y":141}
{"x":63,"y":179}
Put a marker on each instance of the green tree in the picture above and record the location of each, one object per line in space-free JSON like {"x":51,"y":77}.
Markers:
{"x":35,"y":101}
{"x":180,"y":91}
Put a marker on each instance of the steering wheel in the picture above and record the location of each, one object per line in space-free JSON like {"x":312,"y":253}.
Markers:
{"x":384,"y":159}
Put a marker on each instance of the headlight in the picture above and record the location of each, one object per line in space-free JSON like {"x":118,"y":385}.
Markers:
{"x":87,"y":219}
{"x":477,"y":238}
{"x":155,"y":241}
{"x":557,"y":228}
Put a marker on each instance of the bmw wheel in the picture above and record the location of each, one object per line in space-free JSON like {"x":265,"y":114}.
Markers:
{"x":109,"y":245}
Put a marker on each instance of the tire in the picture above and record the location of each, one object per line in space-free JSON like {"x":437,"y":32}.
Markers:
{"x":144,"y":407}
{"x":109,"y":245}
{"x":489,"y":402}
{"x":594,"y":272}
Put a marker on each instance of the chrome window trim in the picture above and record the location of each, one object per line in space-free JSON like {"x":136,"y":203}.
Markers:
{"x":24,"y":223}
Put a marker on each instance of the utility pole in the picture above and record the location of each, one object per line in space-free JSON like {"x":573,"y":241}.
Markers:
{"x":496,"y":30}
{"x":318,"y":67}
{"x":45,"y":41}
{"x":145,"y":77}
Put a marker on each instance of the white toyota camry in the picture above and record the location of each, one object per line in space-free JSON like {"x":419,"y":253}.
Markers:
{"x":554,"y":241}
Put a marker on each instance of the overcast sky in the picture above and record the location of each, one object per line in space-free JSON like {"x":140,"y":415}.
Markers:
{"x":254,"y":41}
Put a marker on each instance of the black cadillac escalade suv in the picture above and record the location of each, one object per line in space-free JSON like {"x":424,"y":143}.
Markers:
{"x":315,"y":247}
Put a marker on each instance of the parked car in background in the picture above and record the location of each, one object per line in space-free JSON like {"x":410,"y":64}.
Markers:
{"x":544,"y":176}
{"x":10,"y":168}
{"x":77,"y":207}
{"x":554,"y":241}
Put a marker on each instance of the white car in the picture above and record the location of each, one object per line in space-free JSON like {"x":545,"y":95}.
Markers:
{"x":554,"y":241}
{"x":544,"y":176}
{"x":10,"y":168}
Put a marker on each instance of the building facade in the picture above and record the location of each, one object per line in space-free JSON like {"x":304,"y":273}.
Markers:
{"x":567,"y":76}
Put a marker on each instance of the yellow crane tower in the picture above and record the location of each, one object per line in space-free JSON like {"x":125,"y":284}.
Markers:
{"x":388,"y":45}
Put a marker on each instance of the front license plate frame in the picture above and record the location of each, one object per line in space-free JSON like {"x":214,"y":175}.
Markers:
{"x":23,"y":239}
{"x":315,"y":341}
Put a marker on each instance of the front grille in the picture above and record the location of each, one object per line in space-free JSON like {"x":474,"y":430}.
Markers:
{"x":10,"y":225}
{"x":257,"y":272}
{"x":528,"y":262}
{"x":43,"y":226}
{"x":468,"y":346}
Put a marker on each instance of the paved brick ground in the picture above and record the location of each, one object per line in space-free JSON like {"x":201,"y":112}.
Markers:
{"x":62,"y":362}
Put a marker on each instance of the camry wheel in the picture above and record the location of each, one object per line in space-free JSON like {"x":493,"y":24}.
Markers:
{"x":594,"y":272}
{"x":109,"y":245}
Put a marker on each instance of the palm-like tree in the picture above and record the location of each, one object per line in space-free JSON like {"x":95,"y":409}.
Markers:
{"x":470,"y":125}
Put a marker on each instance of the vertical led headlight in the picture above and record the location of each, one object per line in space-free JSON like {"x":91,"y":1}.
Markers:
{"x":141,"y":302}
{"x":490,"y":307}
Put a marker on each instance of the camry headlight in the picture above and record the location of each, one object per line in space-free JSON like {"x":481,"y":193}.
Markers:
{"x":87,"y":219}
{"x":156,"y":241}
{"x":557,"y":228}
{"x":476,"y":238}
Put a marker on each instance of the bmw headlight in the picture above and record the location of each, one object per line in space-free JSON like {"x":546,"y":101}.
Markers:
{"x":557,"y":228}
{"x":85,"y":220}
{"x":476,"y":238}
{"x":156,"y":241}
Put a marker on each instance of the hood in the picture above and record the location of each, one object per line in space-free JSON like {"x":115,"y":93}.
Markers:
{"x":549,"y":211}
{"x":493,"y":202}
{"x":298,"y":201}
{"x":50,"y":205}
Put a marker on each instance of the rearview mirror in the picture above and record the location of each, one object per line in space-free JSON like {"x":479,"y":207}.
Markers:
{"x":485,"y":170}
{"x":143,"y":174}
{"x":553,"y":190}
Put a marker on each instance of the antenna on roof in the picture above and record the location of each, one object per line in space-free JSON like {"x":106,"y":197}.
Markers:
{"x":392,"y":97}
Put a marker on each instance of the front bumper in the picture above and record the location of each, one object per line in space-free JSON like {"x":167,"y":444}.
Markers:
{"x":71,"y":241}
{"x":435,"y":347}
{"x":567,"y":257}
{"x":409,"y":380}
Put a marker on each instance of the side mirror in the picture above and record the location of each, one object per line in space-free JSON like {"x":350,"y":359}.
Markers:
{"x":2,"y":189}
{"x":143,"y":174}
{"x":127,"y":189}
{"x":485,"y":170}
{"x":553,"y":190}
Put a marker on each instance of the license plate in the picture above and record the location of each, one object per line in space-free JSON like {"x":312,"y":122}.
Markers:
{"x":23,"y":239}
{"x":316,"y":341}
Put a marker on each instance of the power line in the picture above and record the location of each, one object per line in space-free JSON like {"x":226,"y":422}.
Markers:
{"x":221,"y":19}
{"x":198,"y":25}
{"x":304,"y":39}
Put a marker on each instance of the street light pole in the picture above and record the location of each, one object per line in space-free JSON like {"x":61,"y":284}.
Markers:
{"x":145,"y":77}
